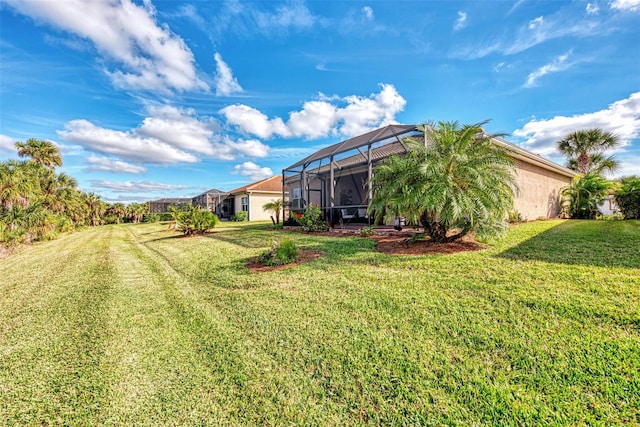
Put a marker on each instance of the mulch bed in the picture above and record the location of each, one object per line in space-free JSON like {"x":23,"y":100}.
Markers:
{"x":392,"y":243}
{"x":397,"y":245}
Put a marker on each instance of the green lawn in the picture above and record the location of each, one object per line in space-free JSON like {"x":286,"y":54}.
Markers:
{"x":131,"y":325}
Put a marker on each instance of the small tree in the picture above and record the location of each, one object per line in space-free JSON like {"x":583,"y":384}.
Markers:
{"x":456,"y":178}
{"x":584,"y":195}
{"x":194,"y":220}
{"x":627,"y":197}
{"x":274,"y":206}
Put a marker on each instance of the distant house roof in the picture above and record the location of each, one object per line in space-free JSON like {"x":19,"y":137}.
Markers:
{"x":173,"y":200}
{"x":213,"y":191}
{"x":273,"y":184}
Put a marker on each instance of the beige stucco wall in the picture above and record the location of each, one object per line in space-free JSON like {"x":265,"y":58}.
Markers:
{"x":540,"y":191}
{"x":256,"y":201}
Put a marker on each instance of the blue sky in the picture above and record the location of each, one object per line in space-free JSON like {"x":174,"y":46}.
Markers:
{"x":150,"y":99}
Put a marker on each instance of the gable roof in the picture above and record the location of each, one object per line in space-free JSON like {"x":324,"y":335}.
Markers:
{"x":273,"y":184}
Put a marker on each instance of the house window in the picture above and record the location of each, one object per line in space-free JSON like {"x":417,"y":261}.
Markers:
{"x":245,"y":203}
{"x":295,"y":198}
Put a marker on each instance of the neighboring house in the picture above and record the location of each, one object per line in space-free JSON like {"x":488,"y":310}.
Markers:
{"x":215,"y":201}
{"x":165,"y":205}
{"x":250,"y":198}
{"x":337,"y":178}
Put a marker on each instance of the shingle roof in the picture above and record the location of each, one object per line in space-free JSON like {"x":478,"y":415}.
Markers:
{"x":270,"y":184}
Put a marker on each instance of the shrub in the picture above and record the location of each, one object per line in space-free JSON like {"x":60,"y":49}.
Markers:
{"x":281,"y":253}
{"x":294,"y":219}
{"x":313,"y":220}
{"x":194,"y":220}
{"x":110,"y":219}
{"x":239,"y":216}
{"x":627,"y":197}
{"x":610,"y":217}
{"x":514,"y":217}
{"x":150,"y":217}
{"x":584,"y":195}
{"x":366,"y":231}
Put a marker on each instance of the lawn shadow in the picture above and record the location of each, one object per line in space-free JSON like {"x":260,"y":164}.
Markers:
{"x":583,"y":242}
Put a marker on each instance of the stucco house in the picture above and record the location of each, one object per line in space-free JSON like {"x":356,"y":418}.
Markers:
{"x":337,"y":177}
{"x":250,"y":198}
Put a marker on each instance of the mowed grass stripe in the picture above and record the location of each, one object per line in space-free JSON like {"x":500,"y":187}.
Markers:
{"x":253,"y":387}
{"x":50,"y":369}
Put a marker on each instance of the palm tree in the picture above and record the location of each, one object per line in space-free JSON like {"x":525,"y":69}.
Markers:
{"x":95,"y":208}
{"x":42,"y":152}
{"x":16,"y":185}
{"x":456,"y":178}
{"x":584,"y":150}
{"x":118,"y":210}
{"x":274,"y":206}
{"x":135,"y":211}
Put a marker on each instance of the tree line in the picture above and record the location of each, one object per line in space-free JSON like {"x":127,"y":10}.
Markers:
{"x":37,"y":202}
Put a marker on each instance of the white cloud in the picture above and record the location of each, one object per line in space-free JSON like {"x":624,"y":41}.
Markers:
{"x":135,"y":187}
{"x":167,"y":135}
{"x":126,"y":145}
{"x":622,"y":118}
{"x":249,"y":147}
{"x":146,"y":55}
{"x":536,"y":23}
{"x":293,"y":15}
{"x":179,"y":128}
{"x":461,"y":22}
{"x":558,"y":64}
{"x":253,"y":171}
{"x":226,"y":84}
{"x":7,"y":143}
{"x":346,"y":116}
{"x":533,"y":33}
{"x":367,"y":11}
{"x":592,"y":9}
{"x":105,"y":164}
{"x":630,"y":5}
{"x":253,"y":121}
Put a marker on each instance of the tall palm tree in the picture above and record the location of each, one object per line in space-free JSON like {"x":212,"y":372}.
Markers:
{"x":456,"y":178}
{"x":585,"y":149}
{"x":42,"y":152}
{"x":274,"y":206}
{"x":95,"y":208}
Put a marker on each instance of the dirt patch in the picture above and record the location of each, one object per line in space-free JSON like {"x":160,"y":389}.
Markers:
{"x":305,"y":255}
{"x":400,"y":244}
